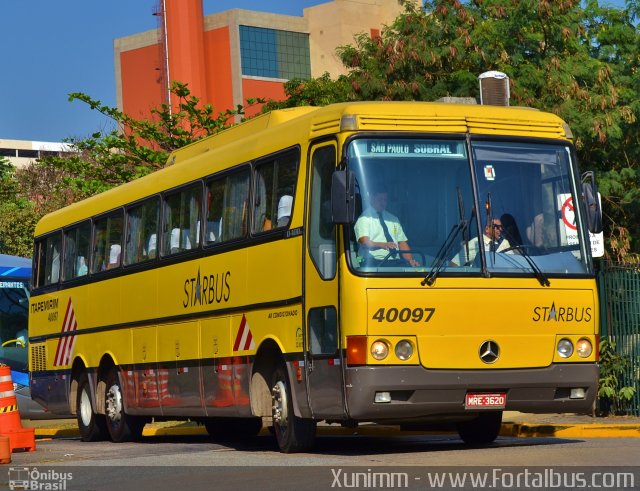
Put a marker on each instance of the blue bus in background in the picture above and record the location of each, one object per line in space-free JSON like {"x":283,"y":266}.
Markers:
{"x":15,"y":277}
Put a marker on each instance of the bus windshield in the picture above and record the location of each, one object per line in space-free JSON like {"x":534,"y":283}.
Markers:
{"x":417,"y":201}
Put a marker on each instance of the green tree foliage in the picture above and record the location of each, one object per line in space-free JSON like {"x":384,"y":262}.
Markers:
{"x":313,"y":92}
{"x":613,"y":394}
{"x":576,"y":59}
{"x":16,"y":214}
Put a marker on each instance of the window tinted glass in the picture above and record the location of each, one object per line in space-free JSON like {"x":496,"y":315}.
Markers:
{"x":48,"y":260}
{"x":142,"y":232}
{"x":14,"y":309}
{"x":529,"y":192}
{"x":274,"y":192}
{"x":322,"y":244}
{"x":107,"y":243}
{"x":227,"y":201}
{"x":182,"y":212}
{"x":76,"y":251}
{"x":412,"y":193}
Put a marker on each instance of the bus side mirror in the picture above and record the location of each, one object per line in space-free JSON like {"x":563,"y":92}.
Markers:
{"x":591,"y":200}
{"x":343,"y":202}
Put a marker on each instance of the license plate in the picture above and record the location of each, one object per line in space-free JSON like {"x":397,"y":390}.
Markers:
{"x":495,"y":400}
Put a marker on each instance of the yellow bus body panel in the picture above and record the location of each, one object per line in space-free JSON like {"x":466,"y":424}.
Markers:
{"x":162,"y":307}
{"x":526,"y":320}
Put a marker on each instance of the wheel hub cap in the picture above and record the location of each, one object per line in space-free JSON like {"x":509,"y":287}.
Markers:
{"x":279,"y":398}
{"x":113,"y":407}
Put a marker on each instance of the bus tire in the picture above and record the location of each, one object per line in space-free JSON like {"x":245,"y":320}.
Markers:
{"x":292,"y":433}
{"x":121,"y":426}
{"x":92,"y":426}
{"x":481,"y":430}
{"x":227,"y":428}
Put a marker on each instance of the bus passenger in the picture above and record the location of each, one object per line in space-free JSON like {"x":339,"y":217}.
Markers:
{"x":493,"y":242}
{"x":510,"y":230}
{"x":380,"y":235}
{"x":535,"y":231}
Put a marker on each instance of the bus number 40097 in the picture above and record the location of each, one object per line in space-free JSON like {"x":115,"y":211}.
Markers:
{"x":404,"y":315}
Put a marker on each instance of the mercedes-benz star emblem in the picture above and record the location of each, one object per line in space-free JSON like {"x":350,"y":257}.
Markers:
{"x":489,"y":352}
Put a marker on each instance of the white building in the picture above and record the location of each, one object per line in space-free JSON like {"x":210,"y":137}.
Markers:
{"x":23,"y":152}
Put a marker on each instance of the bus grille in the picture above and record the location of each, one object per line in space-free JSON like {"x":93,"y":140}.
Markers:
{"x":38,"y":358}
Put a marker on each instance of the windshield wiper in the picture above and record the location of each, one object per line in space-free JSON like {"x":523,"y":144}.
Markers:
{"x":522,"y":249}
{"x":443,"y":252}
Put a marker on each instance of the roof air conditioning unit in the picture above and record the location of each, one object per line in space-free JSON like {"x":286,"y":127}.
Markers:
{"x":494,"y":88}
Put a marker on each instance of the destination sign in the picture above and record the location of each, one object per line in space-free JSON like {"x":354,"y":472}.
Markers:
{"x":411,"y":148}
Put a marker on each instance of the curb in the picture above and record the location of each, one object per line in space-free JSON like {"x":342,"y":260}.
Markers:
{"x":528,"y":430}
{"x":518,"y":430}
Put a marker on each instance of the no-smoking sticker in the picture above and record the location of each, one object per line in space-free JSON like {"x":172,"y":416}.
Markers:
{"x":568,"y":225}
{"x":568,"y":214}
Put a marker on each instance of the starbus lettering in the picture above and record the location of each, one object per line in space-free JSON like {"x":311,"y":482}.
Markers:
{"x":207,"y":289}
{"x":561,"y":314}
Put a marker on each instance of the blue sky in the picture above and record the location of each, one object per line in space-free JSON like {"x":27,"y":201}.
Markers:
{"x":52,"y":48}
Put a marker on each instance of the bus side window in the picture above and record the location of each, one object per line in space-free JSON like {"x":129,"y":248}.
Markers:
{"x":226,"y":212}
{"x":182,"y":219}
{"x":54,"y":245}
{"x":107,"y":240}
{"x":275,"y":180}
{"x":142,"y":229}
{"x":38,"y":266}
{"x":76,"y":251}
{"x":322,"y":243}
{"x":48,"y":260}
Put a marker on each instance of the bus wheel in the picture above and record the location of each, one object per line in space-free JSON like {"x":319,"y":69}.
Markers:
{"x":93,"y":427}
{"x":226,"y":428}
{"x":122,"y":427}
{"x":293,"y":434}
{"x":484,"y":429}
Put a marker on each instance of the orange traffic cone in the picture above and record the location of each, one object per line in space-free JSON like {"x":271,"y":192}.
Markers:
{"x":5,"y":450}
{"x":10,"y":425}
{"x":224,"y":396}
{"x":239,"y":370}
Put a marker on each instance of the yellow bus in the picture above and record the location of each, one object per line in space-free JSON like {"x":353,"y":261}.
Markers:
{"x":327,"y":264}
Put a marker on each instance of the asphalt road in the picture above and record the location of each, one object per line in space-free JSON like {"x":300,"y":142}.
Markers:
{"x":196,"y":462}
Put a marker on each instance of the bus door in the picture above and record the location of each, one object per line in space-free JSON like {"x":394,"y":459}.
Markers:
{"x":323,"y":360}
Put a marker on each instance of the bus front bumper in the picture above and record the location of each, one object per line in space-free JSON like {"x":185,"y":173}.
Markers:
{"x":415,"y":392}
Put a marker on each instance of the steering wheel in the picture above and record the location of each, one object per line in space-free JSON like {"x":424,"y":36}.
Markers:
{"x":19,"y":342}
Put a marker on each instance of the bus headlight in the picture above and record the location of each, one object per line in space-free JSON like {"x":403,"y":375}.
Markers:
{"x":565,"y":348}
{"x":379,"y":350}
{"x":404,"y":349}
{"x":584,"y":348}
